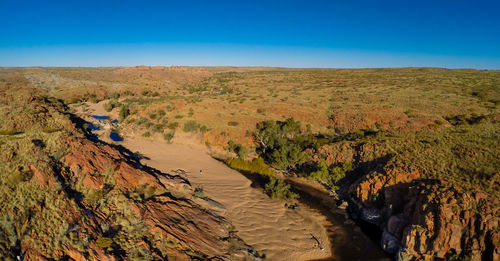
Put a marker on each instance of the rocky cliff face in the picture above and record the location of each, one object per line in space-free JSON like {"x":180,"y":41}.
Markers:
{"x":66,"y":197}
{"x":432,"y":194}
{"x":424,"y":219}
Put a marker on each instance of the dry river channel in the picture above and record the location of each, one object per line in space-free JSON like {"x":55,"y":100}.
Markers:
{"x":310,"y":231}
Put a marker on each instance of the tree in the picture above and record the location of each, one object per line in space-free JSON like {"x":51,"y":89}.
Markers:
{"x":282,"y":143}
{"x":124,"y":112}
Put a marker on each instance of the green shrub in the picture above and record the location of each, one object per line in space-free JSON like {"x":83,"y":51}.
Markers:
{"x":198,"y":192}
{"x":124,"y":112}
{"x":141,"y":121}
{"x":242,"y":153}
{"x":158,"y":127}
{"x":161,"y":113}
{"x":168,"y":136}
{"x":74,"y":100}
{"x":146,"y":134}
{"x":191,"y":126}
{"x":332,"y":176}
{"x":109,"y":106}
{"x":191,"y":112}
{"x":256,"y":166}
{"x":462,"y":119}
{"x":93,"y":98}
{"x":104,"y":242}
{"x":232,"y":146}
{"x":278,"y":189}
{"x":115,"y":95}
{"x":10,"y":132}
{"x":173,"y":125}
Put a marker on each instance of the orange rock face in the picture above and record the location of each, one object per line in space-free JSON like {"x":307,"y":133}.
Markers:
{"x":95,"y":201}
{"x":170,"y":218}
{"x":422,"y":219}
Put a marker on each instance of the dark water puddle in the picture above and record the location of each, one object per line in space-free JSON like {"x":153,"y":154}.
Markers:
{"x":115,"y":136}
{"x":93,"y":128}
{"x":100,"y":117}
{"x":93,"y":137}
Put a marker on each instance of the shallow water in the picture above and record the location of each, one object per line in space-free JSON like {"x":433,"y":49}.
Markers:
{"x":115,"y":136}
{"x":100,"y":117}
{"x":93,"y":128}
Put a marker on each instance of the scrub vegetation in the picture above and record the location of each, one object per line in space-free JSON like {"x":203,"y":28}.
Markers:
{"x":363,"y":134}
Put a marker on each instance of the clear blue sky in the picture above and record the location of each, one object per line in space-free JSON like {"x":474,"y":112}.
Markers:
{"x":375,"y":33}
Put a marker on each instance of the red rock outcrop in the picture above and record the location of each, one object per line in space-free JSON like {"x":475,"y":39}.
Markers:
{"x":172,"y":218}
{"x":69,"y":198}
{"x":423,"y":219}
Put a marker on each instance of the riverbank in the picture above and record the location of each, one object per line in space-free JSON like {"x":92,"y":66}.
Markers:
{"x":267,"y":225}
{"x":316,"y":230}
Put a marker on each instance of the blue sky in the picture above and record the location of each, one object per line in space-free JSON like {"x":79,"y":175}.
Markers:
{"x":338,"y":34}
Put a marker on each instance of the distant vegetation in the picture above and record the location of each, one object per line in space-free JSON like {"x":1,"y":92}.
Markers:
{"x":328,"y":125}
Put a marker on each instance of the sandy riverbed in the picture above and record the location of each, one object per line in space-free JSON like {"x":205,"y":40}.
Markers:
{"x":267,"y":225}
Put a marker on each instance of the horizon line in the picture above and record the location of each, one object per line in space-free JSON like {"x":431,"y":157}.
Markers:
{"x":254,"y":66}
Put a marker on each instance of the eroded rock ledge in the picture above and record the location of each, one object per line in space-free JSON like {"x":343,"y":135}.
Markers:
{"x":424,"y":219}
{"x":76,"y":199}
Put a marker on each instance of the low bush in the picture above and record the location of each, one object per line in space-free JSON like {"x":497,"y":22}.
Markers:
{"x":161,"y":113}
{"x":10,"y":132}
{"x":158,"y":127}
{"x":198,"y":192}
{"x":232,"y":146}
{"x":168,"y":136}
{"x":462,"y":119}
{"x":278,"y":189}
{"x":109,"y":106}
{"x":242,"y":153}
{"x":74,"y":100}
{"x":124,"y":112}
{"x":104,"y":242}
{"x":94,"y":99}
{"x":173,"y":125}
{"x":191,"y":126}
{"x":256,"y":166}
